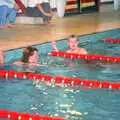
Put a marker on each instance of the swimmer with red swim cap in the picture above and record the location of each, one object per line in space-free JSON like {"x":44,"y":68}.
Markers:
{"x":73,"y":45}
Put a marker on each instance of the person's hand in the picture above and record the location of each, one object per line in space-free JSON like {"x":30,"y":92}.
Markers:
{"x":49,"y":14}
{"x":54,"y":46}
{"x":52,"y":13}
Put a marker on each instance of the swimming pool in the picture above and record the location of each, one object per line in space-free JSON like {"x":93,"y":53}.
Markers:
{"x":73,"y":103}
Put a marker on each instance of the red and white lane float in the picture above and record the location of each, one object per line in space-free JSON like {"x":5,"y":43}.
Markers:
{"x":65,"y":81}
{"x":89,"y":57}
{"x":112,"y":41}
{"x":24,"y":116}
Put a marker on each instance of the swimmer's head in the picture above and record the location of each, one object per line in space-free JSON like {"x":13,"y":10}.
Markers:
{"x":27,"y":49}
{"x":36,"y":55}
{"x":73,"y":42}
{"x":34,"y":51}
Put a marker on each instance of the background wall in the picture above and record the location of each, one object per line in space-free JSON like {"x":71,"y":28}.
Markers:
{"x":52,"y":3}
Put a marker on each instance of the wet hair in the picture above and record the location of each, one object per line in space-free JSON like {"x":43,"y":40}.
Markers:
{"x":32,"y":51}
{"x":27,"y":53}
{"x":73,"y":36}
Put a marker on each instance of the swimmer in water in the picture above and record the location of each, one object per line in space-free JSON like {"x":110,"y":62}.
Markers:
{"x":34,"y":57}
{"x":73,"y":48}
{"x":73,"y":45}
{"x":30,"y":57}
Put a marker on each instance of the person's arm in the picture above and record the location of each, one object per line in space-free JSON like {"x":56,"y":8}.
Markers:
{"x":1,"y":57}
{"x":42,"y":10}
{"x":54,"y":46}
{"x":68,"y":51}
{"x":16,"y":7}
{"x":83,"y":51}
{"x":51,"y":12}
{"x":18,"y":63}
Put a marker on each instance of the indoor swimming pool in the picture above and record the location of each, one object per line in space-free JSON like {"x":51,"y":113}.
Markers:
{"x":72,"y":103}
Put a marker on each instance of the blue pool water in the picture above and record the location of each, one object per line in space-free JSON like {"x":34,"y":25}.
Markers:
{"x":73,"y":103}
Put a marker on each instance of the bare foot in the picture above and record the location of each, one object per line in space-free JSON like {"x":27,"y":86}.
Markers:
{"x":10,"y":25}
{"x":45,"y":22}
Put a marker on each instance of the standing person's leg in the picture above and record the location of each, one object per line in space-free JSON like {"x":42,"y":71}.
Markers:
{"x":11,"y":17}
{"x":3,"y":15}
{"x":38,"y":13}
{"x":47,"y":9}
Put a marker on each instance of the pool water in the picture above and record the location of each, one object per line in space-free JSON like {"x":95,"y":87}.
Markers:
{"x":75,"y":103}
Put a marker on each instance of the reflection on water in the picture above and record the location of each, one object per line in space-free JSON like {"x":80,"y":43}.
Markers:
{"x":64,"y":101}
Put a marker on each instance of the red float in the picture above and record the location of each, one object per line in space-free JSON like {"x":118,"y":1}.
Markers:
{"x":3,"y":73}
{"x":90,"y":57}
{"x":11,"y":74}
{"x":59,"y":80}
{"x":112,"y":41}
{"x":23,"y":116}
{"x":47,"y":78}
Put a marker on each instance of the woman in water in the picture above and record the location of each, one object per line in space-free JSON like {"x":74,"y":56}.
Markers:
{"x":30,"y":57}
{"x":33,"y":57}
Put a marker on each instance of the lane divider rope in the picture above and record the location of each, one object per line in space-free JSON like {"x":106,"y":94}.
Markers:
{"x":89,"y":57}
{"x":24,"y":116}
{"x":60,"y":81}
{"x":112,"y":41}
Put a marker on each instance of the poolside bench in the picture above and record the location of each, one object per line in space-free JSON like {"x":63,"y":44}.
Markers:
{"x":24,"y":19}
{"x":29,"y":20}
